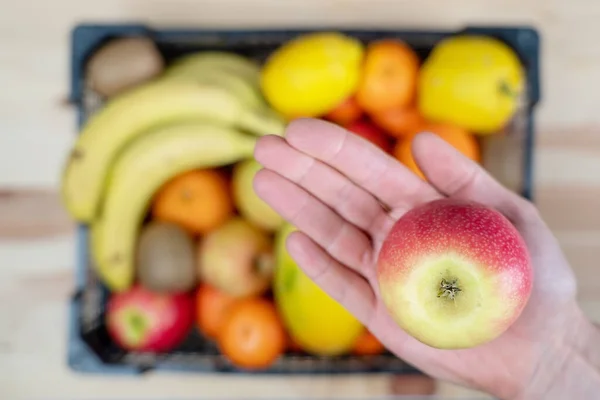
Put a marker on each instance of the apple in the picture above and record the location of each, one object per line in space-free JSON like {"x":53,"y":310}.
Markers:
{"x":143,"y":320}
{"x":237,"y":258}
{"x":454,"y":274}
{"x":372,"y":133}
{"x":250,"y":206}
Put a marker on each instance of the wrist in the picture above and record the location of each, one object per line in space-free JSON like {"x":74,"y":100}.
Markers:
{"x":569,"y":364}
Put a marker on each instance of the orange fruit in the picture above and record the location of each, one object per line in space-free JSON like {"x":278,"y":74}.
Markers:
{"x":367,"y":344}
{"x":212,"y":308}
{"x":398,"y":122}
{"x":458,"y":137}
{"x":345,"y":113}
{"x":197,"y":200}
{"x":253,"y":336}
{"x":389,"y":78}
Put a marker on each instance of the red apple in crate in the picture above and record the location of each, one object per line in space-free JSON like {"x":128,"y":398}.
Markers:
{"x":454,"y":274}
{"x":372,"y":133}
{"x":346,"y":112}
{"x":142,"y":320}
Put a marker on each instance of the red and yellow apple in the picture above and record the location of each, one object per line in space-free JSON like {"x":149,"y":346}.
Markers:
{"x":142,"y":320}
{"x":237,"y":258}
{"x":454,"y":274}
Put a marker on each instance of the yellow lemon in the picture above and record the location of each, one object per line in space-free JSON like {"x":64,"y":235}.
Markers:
{"x":472,"y":81}
{"x":316,"y":322}
{"x":311,"y":74}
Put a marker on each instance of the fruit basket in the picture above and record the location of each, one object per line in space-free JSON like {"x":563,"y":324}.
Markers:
{"x":507,"y":155}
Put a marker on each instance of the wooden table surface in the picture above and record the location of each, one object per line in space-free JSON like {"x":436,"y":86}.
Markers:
{"x":37,"y":128}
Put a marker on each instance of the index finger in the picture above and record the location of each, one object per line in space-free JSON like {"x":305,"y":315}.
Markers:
{"x":368,"y":166}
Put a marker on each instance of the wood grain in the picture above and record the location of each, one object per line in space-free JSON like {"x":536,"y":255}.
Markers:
{"x":30,"y":214}
{"x":570,"y":207}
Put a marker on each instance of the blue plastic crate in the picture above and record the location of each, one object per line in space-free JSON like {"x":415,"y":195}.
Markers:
{"x":90,"y":348}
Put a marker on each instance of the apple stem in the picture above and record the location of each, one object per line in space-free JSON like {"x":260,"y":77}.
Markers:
{"x":449,"y":289}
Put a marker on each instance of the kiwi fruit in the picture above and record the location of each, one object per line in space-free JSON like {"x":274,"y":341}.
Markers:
{"x":166,"y":258}
{"x":122,"y":64}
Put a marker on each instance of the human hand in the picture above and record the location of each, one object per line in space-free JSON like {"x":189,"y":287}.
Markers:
{"x":344,"y":194}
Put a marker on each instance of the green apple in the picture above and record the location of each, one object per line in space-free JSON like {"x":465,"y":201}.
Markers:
{"x":237,"y":258}
{"x":251,"y":207}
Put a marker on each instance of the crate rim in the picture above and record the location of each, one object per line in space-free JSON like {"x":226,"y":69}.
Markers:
{"x":86,"y":36}
{"x":95,"y":33}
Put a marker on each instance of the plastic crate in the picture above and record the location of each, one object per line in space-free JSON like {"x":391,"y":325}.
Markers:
{"x":507,"y":155}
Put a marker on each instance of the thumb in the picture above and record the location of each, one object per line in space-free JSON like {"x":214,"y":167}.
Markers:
{"x":455,"y":175}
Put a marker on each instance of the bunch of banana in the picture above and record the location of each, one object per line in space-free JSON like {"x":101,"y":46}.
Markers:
{"x":205,"y":111}
{"x":139,"y":172}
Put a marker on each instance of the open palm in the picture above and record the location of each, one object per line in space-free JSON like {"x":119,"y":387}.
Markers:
{"x":344,"y":195}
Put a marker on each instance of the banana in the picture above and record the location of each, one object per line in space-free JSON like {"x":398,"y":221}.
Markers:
{"x":134,"y":113}
{"x":140,"y":170}
{"x":222,"y":60}
{"x":244,"y":90}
